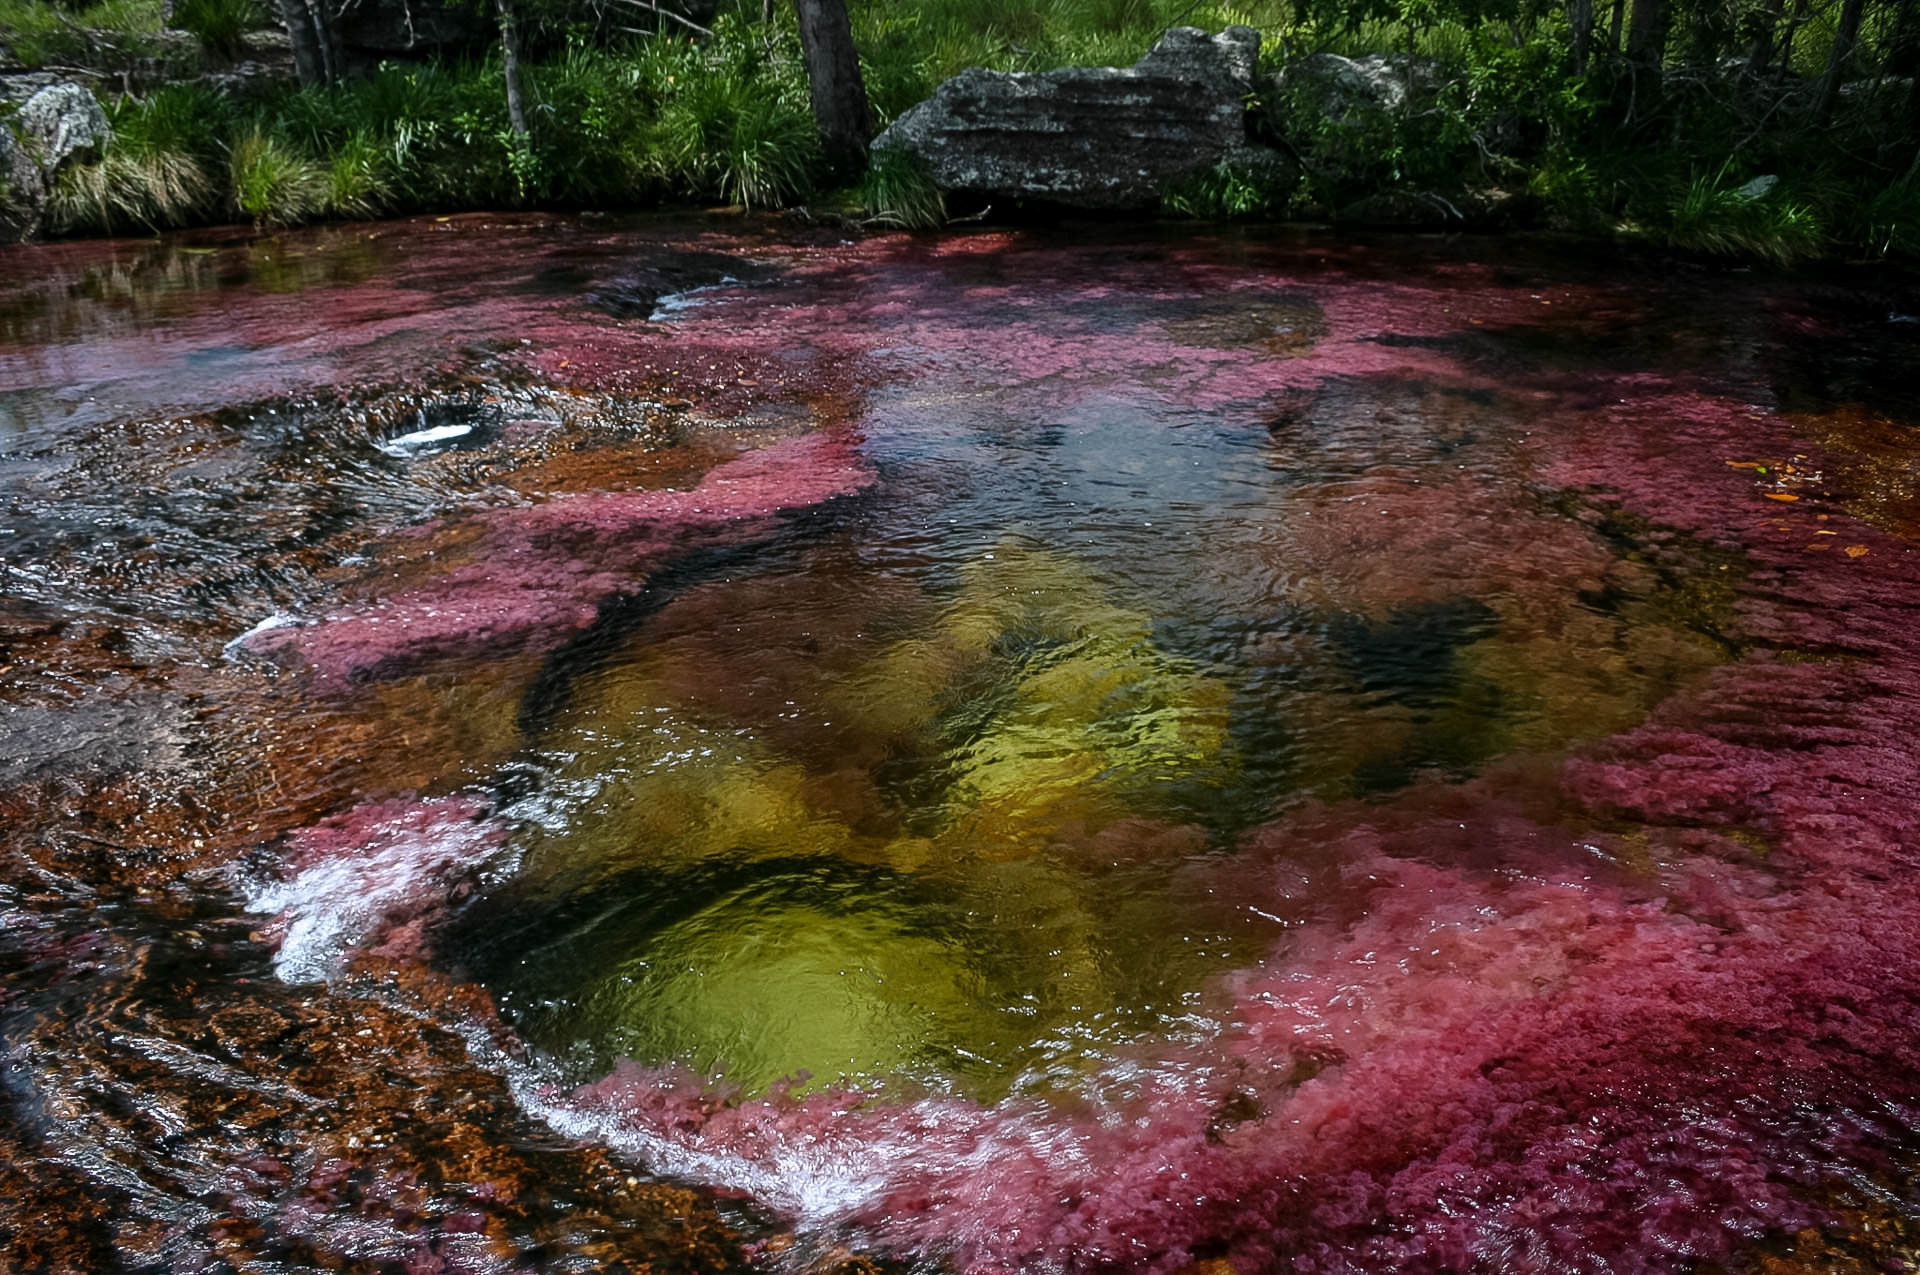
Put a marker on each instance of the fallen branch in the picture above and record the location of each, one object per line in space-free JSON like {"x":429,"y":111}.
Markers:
{"x":688,"y":23}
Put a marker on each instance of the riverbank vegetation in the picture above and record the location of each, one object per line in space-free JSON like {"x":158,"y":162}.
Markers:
{"x":1782,"y":128}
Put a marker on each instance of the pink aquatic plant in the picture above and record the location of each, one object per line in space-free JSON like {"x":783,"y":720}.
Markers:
{"x":1624,"y":1011}
{"x":539,"y":574}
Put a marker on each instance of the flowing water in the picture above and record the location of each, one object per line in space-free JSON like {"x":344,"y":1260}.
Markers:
{"x":550,"y":744}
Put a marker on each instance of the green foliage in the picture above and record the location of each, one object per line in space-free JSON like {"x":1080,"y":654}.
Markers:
{"x":272,"y":185}
{"x":1888,"y":223}
{"x":1494,"y":109}
{"x":126,"y":190}
{"x":357,"y":178}
{"x":1718,"y":214}
{"x":218,"y":24}
{"x":155,"y":172}
{"x":186,"y":118}
{"x":897,"y":190}
{"x":735,"y":122}
{"x":109,"y":33}
{"x":1230,"y":192}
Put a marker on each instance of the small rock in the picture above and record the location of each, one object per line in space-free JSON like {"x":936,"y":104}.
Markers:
{"x":637,"y":293}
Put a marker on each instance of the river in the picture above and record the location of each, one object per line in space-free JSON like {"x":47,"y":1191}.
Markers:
{"x":544,"y":743}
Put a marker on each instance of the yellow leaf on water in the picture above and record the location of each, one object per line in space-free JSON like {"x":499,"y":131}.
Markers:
{"x":1748,"y":464}
{"x":1818,"y":545}
{"x":1856,"y":551}
{"x":1780,"y":495}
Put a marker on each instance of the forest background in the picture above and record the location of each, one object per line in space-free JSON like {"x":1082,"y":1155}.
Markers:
{"x":1781,"y":128}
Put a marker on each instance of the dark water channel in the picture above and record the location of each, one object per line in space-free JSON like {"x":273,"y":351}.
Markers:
{"x":532,"y":744}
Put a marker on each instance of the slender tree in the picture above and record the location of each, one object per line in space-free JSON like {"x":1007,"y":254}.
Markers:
{"x":1647,"y":36}
{"x":1845,"y":35}
{"x":1580,"y":23}
{"x":833,"y":79}
{"x":311,"y":39}
{"x":510,"y":66}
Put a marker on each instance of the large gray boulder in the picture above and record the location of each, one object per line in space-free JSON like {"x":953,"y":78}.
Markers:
{"x":1091,"y":137}
{"x":22,"y":192}
{"x":61,"y":121}
{"x":45,"y":123}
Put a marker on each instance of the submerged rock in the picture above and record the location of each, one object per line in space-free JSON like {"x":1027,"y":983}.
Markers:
{"x":638,"y":293}
{"x":1091,"y":137}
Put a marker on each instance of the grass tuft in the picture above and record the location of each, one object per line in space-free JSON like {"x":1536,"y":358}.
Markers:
{"x":897,"y":190}
{"x":356,"y":178}
{"x":125,"y":190}
{"x":1888,"y":223}
{"x":270,"y":184}
{"x":1724,"y":216}
{"x":218,"y":25}
{"x":1232,"y":192}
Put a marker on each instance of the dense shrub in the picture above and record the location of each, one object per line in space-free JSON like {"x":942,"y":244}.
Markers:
{"x":1495,"y":111}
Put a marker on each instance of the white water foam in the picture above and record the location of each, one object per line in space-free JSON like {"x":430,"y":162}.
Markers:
{"x":408,"y":445}
{"x":278,"y":620}
{"x":387,"y":870}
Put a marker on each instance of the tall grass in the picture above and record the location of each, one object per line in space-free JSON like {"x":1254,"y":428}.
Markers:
{"x":219,"y":24}
{"x":126,"y":191}
{"x":738,"y":129}
{"x":899,"y":191}
{"x":271,"y":184}
{"x":155,"y":172}
{"x":357,"y":180}
{"x":1888,"y":222}
{"x":1720,"y":214}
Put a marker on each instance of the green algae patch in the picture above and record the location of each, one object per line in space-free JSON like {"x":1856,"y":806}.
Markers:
{"x":649,"y":789}
{"x":686,"y":896}
{"x":815,"y":971}
{"x":809,"y":975}
{"x":1066,"y":708}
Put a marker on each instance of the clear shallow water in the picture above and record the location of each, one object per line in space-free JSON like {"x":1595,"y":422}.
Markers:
{"x":1206,"y":752}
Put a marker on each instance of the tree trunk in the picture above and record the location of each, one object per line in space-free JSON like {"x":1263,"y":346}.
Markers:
{"x":1913,"y":124}
{"x":1647,"y":38}
{"x":1903,"y":45}
{"x":306,"y":24}
{"x":1580,"y":22}
{"x":510,"y":66}
{"x":1795,"y":20}
{"x":1761,"y":55}
{"x":833,"y":77}
{"x":1844,"y":36}
{"x":1613,"y":28}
